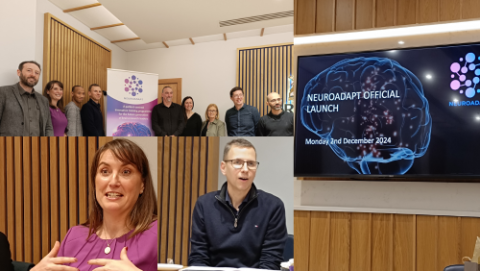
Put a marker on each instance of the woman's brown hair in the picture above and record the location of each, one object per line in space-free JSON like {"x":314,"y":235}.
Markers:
{"x":144,"y":211}
{"x":49,"y":87}
{"x":206,"y":111}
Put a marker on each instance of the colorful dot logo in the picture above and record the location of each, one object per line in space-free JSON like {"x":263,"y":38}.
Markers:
{"x":133,"y":85}
{"x":466,"y":77}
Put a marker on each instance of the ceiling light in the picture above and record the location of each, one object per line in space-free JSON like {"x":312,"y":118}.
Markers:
{"x":429,"y":76}
{"x":389,"y":33}
{"x":478,"y":118}
{"x":401,"y":42}
{"x":455,"y":100}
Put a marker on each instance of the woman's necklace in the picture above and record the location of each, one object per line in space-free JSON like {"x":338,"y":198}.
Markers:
{"x":108,"y":249}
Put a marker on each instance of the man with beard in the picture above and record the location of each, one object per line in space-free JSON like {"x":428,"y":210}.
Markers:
{"x":23,"y":111}
{"x":241,"y":119}
{"x":277,"y":122}
{"x":168,"y":118}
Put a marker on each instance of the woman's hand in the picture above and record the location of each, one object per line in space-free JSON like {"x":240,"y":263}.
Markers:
{"x":53,"y":263}
{"x":124,"y":264}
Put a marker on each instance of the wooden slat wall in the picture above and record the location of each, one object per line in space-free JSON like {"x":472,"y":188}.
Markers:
{"x":323,"y":16}
{"x":73,"y":58}
{"x":365,"y":241}
{"x":263,"y":70}
{"x":187,"y":168}
{"x":43,"y":190}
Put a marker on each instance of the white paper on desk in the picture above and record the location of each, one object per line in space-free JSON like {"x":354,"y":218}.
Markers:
{"x":205,"y":268}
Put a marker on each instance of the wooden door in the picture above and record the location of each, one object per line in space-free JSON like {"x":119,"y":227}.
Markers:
{"x":175,"y":84}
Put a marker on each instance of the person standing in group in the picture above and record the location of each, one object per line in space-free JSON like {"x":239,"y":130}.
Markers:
{"x":193,"y":121}
{"x":23,"y":111}
{"x":212,"y":126}
{"x":277,"y":122}
{"x":168,"y":118}
{"x":54,"y":93}
{"x":241,"y":119}
{"x":72,"y":110}
{"x":92,"y":118}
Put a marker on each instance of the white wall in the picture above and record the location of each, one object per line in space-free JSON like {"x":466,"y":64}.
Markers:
{"x":275,"y":173}
{"x":208,"y":70}
{"x":21,"y":32}
{"x":17,"y":37}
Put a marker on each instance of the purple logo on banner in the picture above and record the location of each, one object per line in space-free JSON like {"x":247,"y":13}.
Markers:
{"x":133,"y":85}
{"x":465,"y":78}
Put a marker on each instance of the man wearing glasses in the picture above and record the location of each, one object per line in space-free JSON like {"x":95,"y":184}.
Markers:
{"x":241,"y":119}
{"x":238,"y":226}
{"x":277,"y":122}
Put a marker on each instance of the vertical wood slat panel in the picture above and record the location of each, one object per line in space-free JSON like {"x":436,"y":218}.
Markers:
{"x":185,"y":165}
{"x":325,"y":21}
{"x":187,"y":201}
{"x":361,"y":243}
{"x":36,"y":212}
{"x":27,"y":198}
{"x":36,"y":201}
{"x":470,"y":9}
{"x":364,"y":14}
{"x":172,"y":196}
{"x":344,"y":15}
{"x":305,"y":19}
{"x":73,"y":58}
{"x":74,"y":203}
{"x":404,"y":242}
{"x":319,"y":240}
{"x":45,"y":194}
{"x":427,"y":11}
{"x":450,"y":10}
{"x":302,"y":248}
{"x":397,"y":242}
{"x":10,"y":192}
{"x":161,"y":247}
{"x":385,"y":13}
{"x":3,"y":185}
{"x":261,"y":71}
{"x":340,"y":236}
{"x":19,"y":225}
{"x":406,"y":12}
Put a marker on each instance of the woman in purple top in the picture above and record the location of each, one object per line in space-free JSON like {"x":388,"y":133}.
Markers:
{"x":54,"y":93}
{"x":121,"y":232}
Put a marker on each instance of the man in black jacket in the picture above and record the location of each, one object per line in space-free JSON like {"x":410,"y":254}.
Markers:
{"x":238,"y":226}
{"x":92,"y":118}
{"x":168,"y":118}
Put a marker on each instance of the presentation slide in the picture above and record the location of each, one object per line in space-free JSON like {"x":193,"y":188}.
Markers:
{"x":396,"y":112}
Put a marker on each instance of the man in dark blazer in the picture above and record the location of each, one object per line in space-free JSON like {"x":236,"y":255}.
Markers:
{"x":23,"y":111}
{"x":91,"y":114}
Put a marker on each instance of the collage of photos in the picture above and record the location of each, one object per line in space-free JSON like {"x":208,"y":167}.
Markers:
{"x":228,"y":135}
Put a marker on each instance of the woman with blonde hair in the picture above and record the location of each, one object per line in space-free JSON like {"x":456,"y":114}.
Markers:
{"x":212,"y":126}
{"x":121,"y":231}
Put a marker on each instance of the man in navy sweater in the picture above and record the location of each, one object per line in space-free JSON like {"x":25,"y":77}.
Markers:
{"x":238,"y":226}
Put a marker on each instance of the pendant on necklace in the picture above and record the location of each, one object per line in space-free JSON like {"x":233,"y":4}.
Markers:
{"x":107,"y":250}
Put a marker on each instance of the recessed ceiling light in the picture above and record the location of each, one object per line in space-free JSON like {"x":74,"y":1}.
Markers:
{"x":401,"y":42}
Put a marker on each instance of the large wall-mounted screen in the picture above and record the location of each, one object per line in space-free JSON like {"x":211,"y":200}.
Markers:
{"x":410,"y":112}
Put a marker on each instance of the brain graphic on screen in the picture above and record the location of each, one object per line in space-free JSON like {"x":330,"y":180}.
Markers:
{"x":132,"y":129}
{"x":400,"y":126}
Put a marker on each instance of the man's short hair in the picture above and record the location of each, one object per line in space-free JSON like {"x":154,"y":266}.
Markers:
{"x":93,"y":85}
{"x":235,"y":89}
{"x":166,"y":87}
{"x":239,"y":143}
{"x":20,"y":67}
{"x":76,"y":86}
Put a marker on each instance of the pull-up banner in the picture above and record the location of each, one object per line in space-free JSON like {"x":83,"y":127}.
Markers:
{"x":131,"y":97}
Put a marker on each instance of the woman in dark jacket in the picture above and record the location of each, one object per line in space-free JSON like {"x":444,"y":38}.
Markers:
{"x":193,"y":120}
